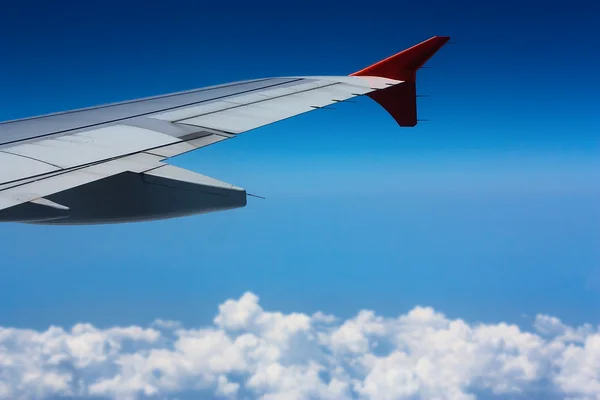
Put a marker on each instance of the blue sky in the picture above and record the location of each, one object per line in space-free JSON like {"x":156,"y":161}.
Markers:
{"x":489,"y":212}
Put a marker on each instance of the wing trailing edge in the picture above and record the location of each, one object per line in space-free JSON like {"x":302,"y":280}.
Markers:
{"x":401,"y":100}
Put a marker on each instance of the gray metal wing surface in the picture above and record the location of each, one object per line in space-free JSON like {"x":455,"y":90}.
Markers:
{"x":106,"y":164}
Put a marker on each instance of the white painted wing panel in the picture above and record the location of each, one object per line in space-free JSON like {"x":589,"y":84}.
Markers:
{"x":173,"y":150}
{"x":247,"y":117}
{"x":183,"y":147}
{"x":7,"y":201}
{"x":188,"y":112}
{"x":253,"y":116}
{"x":373,"y":82}
{"x":250,"y":98}
{"x":67,"y":180}
{"x":344,"y":89}
{"x":241,"y":99}
{"x":310,"y":84}
{"x":321,"y":97}
{"x":279,"y":92}
{"x":17,"y":167}
{"x":139,"y":162}
{"x":34,"y":190}
{"x":377,"y":82}
{"x":234,"y":121}
{"x":250,"y":117}
{"x":91,"y":146}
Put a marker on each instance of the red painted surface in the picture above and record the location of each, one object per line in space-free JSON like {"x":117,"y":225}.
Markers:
{"x":401,"y":100}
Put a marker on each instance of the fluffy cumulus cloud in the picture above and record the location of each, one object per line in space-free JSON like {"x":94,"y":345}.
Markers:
{"x":249,"y":352}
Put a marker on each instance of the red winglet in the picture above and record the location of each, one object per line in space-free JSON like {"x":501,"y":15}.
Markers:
{"x":401,"y":100}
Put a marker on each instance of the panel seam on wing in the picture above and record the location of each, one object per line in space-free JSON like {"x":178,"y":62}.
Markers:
{"x":30,"y":158}
{"x":237,"y":106}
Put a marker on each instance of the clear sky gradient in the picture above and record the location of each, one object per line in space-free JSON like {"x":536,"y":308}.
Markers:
{"x":488,"y":212}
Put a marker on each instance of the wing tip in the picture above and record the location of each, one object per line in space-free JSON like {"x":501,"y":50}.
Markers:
{"x":403,"y":66}
{"x":400,"y":101}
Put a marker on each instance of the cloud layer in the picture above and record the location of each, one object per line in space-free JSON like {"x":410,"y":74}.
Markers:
{"x":252,"y":353}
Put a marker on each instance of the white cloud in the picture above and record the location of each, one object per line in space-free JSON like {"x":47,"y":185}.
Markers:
{"x":252,"y":353}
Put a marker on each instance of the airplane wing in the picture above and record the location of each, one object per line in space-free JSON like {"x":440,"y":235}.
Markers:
{"x":106,"y":164}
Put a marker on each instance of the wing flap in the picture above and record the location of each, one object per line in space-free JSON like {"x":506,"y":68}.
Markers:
{"x":187,"y":146}
{"x":254,"y":115}
{"x":64,"y":180}
{"x":92,"y":146}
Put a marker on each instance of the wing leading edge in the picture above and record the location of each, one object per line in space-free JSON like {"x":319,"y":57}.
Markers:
{"x":106,"y":164}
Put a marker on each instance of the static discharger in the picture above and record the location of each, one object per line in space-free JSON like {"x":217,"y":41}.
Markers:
{"x":255,"y":195}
